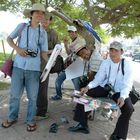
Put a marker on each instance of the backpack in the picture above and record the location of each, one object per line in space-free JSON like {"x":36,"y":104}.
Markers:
{"x":134,"y":94}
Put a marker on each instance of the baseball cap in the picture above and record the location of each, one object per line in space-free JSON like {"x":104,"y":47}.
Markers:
{"x":72,"y":28}
{"x":116,"y":45}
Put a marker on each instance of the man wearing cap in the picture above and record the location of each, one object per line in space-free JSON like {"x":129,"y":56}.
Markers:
{"x":42,"y":100}
{"x":32,"y":43}
{"x":110,"y":72}
{"x":69,"y":49}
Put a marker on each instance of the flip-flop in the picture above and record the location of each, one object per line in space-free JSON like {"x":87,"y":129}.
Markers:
{"x":7,"y":124}
{"x":53,"y":128}
{"x":31,"y":127}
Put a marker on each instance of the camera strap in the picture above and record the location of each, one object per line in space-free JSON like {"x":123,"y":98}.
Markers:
{"x":116,"y":74}
{"x":86,"y":62}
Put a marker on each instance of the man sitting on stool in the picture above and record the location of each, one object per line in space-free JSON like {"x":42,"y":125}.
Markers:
{"x":110,"y":72}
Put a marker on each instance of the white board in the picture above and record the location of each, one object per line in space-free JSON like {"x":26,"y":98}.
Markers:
{"x":56,"y":51}
{"x":76,"y":69}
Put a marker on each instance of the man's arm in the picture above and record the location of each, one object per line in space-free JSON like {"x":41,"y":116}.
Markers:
{"x":44,"y":55}
{"x":91,"y":75}
{"x":20,"y":51}
{"x":68,"y":51}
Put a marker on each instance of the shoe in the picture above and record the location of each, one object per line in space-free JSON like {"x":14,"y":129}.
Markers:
{"x":79,"y":128}
{"x":56,"y":97}
{"x":41,"y":117}
{"x":115,"y":137}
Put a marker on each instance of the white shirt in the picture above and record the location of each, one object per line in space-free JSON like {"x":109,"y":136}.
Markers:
{"x":121,"y":83}
{"x":95,"y":61}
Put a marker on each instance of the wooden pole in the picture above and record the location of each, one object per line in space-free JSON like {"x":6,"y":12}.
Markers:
{"x":4,"y":50}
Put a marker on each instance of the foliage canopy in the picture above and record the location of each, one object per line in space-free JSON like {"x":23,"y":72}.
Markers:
{"x":122,"y":17}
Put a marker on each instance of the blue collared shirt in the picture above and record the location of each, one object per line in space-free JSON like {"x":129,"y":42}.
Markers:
{"x":30,"y":63}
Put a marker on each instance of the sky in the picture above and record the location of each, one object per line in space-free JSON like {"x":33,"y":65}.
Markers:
{"x":9,"y":21}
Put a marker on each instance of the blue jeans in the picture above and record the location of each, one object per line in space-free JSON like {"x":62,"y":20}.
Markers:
{"x":20,"y":79}
{"x":59,"y":81}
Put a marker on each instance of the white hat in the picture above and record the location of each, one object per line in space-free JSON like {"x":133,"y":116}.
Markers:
{"x":72,"y":28}
{"x":35,"y":7}
{"x":116,"y":45}
{"x":78,"y":44}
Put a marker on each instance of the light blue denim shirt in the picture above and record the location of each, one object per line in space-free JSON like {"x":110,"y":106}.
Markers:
{"x":30,"y":63}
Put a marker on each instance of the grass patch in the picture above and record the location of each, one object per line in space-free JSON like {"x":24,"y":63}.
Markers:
{"x":2,"y":58}
{"x":4,"y":85}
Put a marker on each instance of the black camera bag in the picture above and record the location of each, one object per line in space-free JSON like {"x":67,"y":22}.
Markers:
{"x":59,"y":65}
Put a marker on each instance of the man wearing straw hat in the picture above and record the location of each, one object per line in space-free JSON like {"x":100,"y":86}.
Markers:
{"x":26,"y":71}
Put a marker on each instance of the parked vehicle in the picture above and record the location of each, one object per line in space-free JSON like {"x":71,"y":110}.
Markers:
{"x":136,"y":57}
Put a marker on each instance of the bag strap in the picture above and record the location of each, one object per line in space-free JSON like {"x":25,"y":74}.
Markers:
{"x":20,"y":30}
{"x":122,"y":66}
{"x":19,"y":36}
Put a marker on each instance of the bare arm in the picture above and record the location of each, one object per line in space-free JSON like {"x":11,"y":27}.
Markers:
{"x":20,"y":51}
{"x":44,"y":55}
{"x":66,"y":47}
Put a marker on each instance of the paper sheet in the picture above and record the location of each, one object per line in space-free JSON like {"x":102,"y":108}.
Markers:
{"x":75,"y":69}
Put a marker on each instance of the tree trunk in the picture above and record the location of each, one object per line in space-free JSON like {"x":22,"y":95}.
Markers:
{"x":90,"y":41}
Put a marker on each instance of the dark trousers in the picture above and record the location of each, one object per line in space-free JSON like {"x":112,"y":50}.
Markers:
{"x":42,"y":99}
{"x":122,"y":125}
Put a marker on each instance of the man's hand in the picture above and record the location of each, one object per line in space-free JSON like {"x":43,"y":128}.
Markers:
{"x":120,"y":102}
{"x":84,"y":90}
{"x":21,"y":52}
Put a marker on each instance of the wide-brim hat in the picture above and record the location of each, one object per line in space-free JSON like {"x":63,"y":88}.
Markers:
{"x":35,"y":7}
{"x":78,"y":44}
{"x":116,"y":45}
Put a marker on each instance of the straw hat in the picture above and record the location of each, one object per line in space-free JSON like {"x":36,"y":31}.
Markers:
{"x":78,"y":44}
{"x":35,"y":7}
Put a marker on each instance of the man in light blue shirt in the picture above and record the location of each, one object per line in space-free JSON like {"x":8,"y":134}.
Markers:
{"x":32,"y":44}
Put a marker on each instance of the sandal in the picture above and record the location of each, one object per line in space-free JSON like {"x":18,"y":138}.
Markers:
{"x":31,"y":127}
{"x":53,"y":128}
{"x":7,"y":124}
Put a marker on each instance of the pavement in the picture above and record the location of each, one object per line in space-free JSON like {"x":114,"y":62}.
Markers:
{"x":58,"y":109}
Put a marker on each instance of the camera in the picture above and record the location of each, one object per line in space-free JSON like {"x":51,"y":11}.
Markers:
{"x":109,"y":89}
{"x":32,"y":53}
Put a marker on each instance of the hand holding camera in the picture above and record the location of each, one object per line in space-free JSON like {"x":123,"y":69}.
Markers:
{"x":31,"y":53}
{"x":21,"y":52}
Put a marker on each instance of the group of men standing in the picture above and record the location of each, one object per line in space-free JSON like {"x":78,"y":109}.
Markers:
{"x":35,"y":44}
